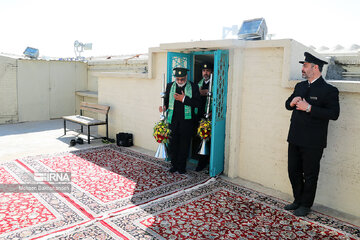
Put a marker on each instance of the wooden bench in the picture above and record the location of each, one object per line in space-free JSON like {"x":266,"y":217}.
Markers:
{"x":88,"y":121}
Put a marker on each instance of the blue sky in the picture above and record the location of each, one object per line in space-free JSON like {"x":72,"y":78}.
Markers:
{"x":118,"y":27}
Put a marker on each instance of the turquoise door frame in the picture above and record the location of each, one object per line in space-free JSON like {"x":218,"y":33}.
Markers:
{"x":220,"y":75}
{"x":218,"y":121}
{"x":204,"y":52}
{"x":175,"y":59}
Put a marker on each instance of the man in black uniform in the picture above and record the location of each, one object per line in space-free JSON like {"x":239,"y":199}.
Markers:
{"x":314,"y":102}
{"x":181,"y":99}
{"x":206,"y":71}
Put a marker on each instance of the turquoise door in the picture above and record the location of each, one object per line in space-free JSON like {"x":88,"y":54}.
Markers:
{"x":221,"y":65}
{"x":175,"y":59}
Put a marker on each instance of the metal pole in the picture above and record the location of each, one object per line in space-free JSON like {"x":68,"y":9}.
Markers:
{"x":209,"y":98}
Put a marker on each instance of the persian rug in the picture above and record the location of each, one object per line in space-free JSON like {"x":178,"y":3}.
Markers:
{"x":117,"y":193}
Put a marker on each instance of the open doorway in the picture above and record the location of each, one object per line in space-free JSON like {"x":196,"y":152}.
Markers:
{"x":193,"y":61}
{"x":198,"y":61}
{"x":201,"y":161}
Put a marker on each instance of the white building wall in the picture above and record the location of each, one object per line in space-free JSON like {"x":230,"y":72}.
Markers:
{"x":65,"y":79}
{"x":264,"y":121}
{"x":33,"y":90}
{"x":8,"y":90}
{"x":339,"y":182}
{"x":134,"y":101}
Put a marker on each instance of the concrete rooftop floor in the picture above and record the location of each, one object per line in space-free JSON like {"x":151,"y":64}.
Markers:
{"x":43,"y":137}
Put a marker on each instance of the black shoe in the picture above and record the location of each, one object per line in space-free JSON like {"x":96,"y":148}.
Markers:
{"x":182,"y":171}
{"x":172,"y":170}
{"x":79,"y":141}
{"x":72,"y":142}
{"x":302,"y":211}
{"x":292,"y":206}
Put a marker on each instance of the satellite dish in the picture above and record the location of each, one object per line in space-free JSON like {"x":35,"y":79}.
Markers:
{"x":76,"y":43}
{"x":79,"y":47}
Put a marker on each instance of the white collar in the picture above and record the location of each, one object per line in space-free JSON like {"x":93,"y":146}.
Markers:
{"x":313,"y":81}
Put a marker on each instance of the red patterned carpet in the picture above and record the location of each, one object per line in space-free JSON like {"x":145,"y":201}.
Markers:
{"x":121,"y":194}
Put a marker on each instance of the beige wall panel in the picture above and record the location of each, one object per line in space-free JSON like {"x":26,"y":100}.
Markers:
{"x":339,"y":180}
{"x":62,"y":89}
{"x":33,"y":90}
{"x":8,"y":90}
{"x":233,"y":113}
{"x":92,"y":83}
{"x":65,"y":79}
{"x":263,"y":137}
{"x":81,"y":76}
{"x":134,"y":104}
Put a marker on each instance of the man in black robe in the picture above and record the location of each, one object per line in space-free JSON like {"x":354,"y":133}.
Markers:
{"x":181,"y":99}
{"x":204,"y":84}
{"x":313,"y":103}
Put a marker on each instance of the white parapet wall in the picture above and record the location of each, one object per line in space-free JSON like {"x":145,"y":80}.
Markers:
{"x":134,"y":99}
{"x":35,"y":90}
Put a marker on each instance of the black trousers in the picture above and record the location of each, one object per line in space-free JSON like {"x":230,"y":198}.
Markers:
{"x":303,"y":170}
{"x":179,"y":146}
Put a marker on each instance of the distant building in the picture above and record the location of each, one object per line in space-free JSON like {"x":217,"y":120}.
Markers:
{"x":344,"y":62}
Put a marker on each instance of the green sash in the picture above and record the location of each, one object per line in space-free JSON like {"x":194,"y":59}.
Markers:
{"x":201,"y":83}
{"x":187,"y":109}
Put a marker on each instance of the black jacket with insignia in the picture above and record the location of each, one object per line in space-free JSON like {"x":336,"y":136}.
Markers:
{"x":310,"y":129}
{"x":179,"y":107}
